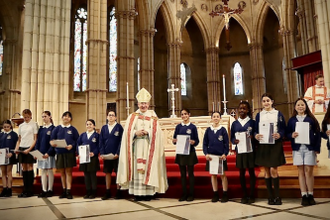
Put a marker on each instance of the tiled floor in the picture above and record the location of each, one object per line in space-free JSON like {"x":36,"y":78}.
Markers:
{"x":160,"y":209}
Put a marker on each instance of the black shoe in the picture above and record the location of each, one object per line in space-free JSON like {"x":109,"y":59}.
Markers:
{"x":183,"y":198}
{"x":190,"y":199}
{"x":118,"y":194}
{"x":28,"y":194}
{"x":42,"y":194}
{"x":148,"y":198}
{"x":278,"y":201}
{"x":49,"y":193}
{"x":138,"y":198}
{"x":68,"y":194}
{"x":63,"y":195}
{"x":9,"y":193}
{"x":311,"y":200}
{"x":251,"y":200}
{"x":4,"y":192}
{"x":271,"y":201}
{"x":93,"y":194}
{"x":88,"y":193}
{"x":244,"y":200}
{"x":22,"y":195}
{"x":215,"y":197}
{"x":224,"y":198}
{"x":106,"y":196}
{"x":304,"y":201}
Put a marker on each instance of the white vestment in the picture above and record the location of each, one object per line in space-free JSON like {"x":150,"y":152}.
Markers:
{"x":315,"y":93}
{"x":142,"y":167}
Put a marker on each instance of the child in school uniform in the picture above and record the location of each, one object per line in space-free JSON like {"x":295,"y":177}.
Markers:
{"x":187,"y":161}
{"x":27,"y":138}
{"x":244,"y":161}
{"x":91,"y":138}
{"x":326,"y":129}
{"x":216,"y":143}
{"x":271,"y":156}
{"x":8,"y":139}
{"x":65,"y":157}
{"x":46,"y":166}
{"x":304,"y":155}
{"x":110,"y":141}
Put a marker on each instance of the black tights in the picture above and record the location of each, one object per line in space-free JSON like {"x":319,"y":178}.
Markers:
{"x":252,"y":181}
{"x":183,"y":171}
{"x":90,"y":180}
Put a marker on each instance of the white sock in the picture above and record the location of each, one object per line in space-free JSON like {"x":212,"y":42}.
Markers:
{"x":50,"y":179}
{"x":303,"y":194}
{"x":44,"y":180}
{"x":310,"y":193}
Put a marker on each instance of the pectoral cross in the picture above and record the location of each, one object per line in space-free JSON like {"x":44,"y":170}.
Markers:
{"x":227,"y":12}
{"x":172,"y":90}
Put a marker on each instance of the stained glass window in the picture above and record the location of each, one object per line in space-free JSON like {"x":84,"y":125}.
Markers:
{"x":238,"y":79}
{"x":183,"y":72}
{"x":1,"y":51}
{"x":113,"y":51}
{"x":138,"y":73}
{"x":80,"y":51}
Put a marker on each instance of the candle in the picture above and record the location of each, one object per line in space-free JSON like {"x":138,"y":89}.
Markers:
{"x":224,"y":87}
{"x":127,"y":97}
{"x":219,"y":106}
{"x":212,"y":106}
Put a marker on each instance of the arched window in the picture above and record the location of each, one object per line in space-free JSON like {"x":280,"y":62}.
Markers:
{"x":138,"y":73}
{"x":183,"y":72}
{"x":238,"y":79}
{"x":113,"y":51}
{"x":1,"y":51}
{"x":80,"y":51}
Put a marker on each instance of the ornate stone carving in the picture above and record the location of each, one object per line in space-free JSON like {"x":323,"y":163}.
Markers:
{"x":218,"y":8}
{"x":184,"y":3}
{"x":255,"y":2}
{"x":126,"y":14}
{"x":204,"y":7}
{"x":241,"y":5}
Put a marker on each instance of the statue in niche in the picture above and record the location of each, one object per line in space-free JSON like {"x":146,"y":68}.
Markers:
{"x":204,"y":7}
{"x":218,"y":8}
{"x":241,"y":5}
{"x":184,"y":3}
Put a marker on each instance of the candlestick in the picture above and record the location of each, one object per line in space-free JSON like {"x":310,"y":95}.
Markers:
{"x":212,"y":106}
{"x":219,"y":107}
{"x":127,"y":99}
{"x":224,"y":87}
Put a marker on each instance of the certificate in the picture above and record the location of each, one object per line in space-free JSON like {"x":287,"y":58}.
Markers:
{"x":183,"y":144}
{"x":37,"y":154}
{"x":328,"y":128}
{"x":244,"y":145}
{"x":4,"y":160}
{"x":84,"y":156}
{"x":60,"y":143}
{"x":216,"y":165}
{"x":108,"y":156}
{"x":303,"y":133}
{"x":266,"y":129}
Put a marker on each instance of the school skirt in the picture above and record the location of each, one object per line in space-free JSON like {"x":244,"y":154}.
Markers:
{"x":245,"y":161}
{"x":186,"y":160}
{"x":270,"y":155}
{"x":93,"y":166}
{"x":110,"y":165}
{"x":25,"y":158}
{"x":67,"y":160}
{"x":49,"y":163}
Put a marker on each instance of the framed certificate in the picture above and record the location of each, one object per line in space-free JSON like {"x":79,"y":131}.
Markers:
{"x":216,"y":165}
{"x":244,"y":145}
{"x":4,"y":160}
{"x":183,"y":144}
{"x":267,"y":131}
{"x":84,"y":156}
{"x":303,"y":133}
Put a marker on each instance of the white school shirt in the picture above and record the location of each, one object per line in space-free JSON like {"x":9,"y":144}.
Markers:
{"x":244,"y":121}
{"x":110,"y":127}
{"x":270,"y":116}
{"x":215,"y":129}
{"x":27,"y":132}
{"x":89,"y":134}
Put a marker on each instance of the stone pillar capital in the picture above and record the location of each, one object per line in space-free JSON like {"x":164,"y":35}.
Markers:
{"x":300,"y":13}
{"x":126,"y":14}
{"x":212,"y":50}
{"x":148,"y":33}
{"x":284,"y":31}
{"x":255,"y":45}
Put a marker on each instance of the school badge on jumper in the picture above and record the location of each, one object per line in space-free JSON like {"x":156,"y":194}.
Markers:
{"x":116,"y":133}
{"x":249,"y":129}
{"x":281,"y":119}
{"x":8,"y":137}
{"x":69,"y":132}
{"x":188,"y":131}
{"x":94,"y":140}
{"x":220,"y":138}
{"x":48,"y":132}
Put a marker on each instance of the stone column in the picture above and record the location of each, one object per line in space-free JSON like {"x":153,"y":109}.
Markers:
{"x":290,"y":76}
{"x":45,"y":68}
{"x":97,"y":56}
{"x":258,"y":75}
{"x":125,"y":58}
{"x":322,"y":9}
{"x":213,"y":79}
{"x":147,"y":70}
{"x":174,"y":76}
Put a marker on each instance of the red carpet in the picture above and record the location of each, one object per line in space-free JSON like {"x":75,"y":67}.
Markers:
{"x":203,"y":187}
